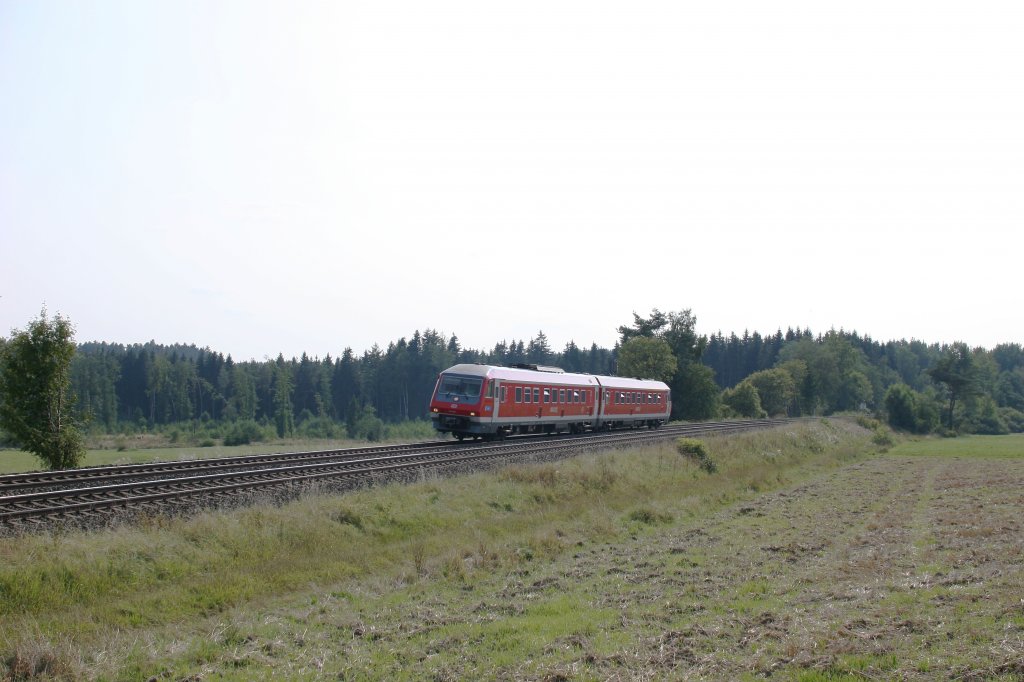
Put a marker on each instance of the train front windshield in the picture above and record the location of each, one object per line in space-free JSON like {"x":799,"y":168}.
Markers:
{"x":464,"y":388}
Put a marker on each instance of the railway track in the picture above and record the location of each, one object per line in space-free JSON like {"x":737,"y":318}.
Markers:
{"x":38,"y":500}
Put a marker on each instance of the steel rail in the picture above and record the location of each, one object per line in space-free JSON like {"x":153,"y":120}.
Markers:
{"x":92,"y":476}
{"x":54,"y":504}
{"x":53,"y":480}
{"x":33,"y":479}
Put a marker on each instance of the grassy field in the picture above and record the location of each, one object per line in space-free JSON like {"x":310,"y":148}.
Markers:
{"x":1011,"y":446}
{"x":807,"y":556}
{"x":141,"y":449}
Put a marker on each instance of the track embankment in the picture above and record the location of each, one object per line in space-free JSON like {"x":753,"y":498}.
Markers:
{"x":100,"y":495}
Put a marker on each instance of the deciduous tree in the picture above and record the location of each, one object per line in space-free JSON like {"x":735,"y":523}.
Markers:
{"x":744,"y":400}
{"x":647,"y":358}
{"x":35,"y":397}
{"x":776,"y":389}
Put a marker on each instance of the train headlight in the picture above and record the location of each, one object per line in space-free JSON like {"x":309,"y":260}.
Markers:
{"x":472,"y":414}
{"x":435,"y":409}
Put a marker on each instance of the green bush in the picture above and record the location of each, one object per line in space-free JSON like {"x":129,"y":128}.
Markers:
{"x":414,"y":429}
{"x":868,"y":423}
{"x":649,"y":517}
{"x":363,"y":422}
{"x":319,"y":427}
{"x":244,"y":433}
{"x":988,"y":419}
{"x":695,"y":450}
{"x":927,"y":416}
{"x":883,"y":438}
{"x":744,"y":401}
{"x":1014,"y":419}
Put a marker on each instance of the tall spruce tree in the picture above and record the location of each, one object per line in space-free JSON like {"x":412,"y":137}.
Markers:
{"x":284,"y":412}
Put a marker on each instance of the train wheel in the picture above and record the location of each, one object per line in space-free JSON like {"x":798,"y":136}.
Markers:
{"x":460,"y":437}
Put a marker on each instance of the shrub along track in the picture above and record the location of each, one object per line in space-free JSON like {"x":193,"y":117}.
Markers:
{"x":94,"y":496}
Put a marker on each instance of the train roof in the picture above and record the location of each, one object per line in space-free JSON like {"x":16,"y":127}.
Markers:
{"x":557,"y":378}
{"x":519,"y":374}
{"x":630,"y":384}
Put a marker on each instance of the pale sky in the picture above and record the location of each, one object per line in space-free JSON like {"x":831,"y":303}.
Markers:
{"x":265,"y":177}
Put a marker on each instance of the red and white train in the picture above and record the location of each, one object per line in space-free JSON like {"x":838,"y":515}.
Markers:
{"x":484,"y":401}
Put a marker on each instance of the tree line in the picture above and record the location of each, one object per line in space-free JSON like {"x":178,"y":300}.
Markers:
{"x":116,"y":388}
{"x":145,"y":386}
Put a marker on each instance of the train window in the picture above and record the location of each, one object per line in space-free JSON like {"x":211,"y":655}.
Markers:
{"x":519,"y":394}
{"x":547,"y":395}
{"x":561,"y":395}
{"x":606,"y":396}
{"x":529,"y":395}
{"x":502,"y":394}
{"x":536,"y":395}
{"x":490,"y":390}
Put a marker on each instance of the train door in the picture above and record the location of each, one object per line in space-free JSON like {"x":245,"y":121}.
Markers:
{"x":497,"y":399}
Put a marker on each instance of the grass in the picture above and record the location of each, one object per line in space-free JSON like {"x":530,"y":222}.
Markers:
{"x":141,"y":451}
{"x":1010,"y":446}
{"x":635,"y":564}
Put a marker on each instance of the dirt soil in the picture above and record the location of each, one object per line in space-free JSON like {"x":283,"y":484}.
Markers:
{"x":891,"y":568}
